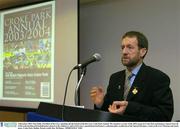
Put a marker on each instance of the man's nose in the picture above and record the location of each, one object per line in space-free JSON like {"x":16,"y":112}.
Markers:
{"x":124,"y":50}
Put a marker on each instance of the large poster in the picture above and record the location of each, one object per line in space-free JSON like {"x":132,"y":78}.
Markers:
{"x":28,"y":53}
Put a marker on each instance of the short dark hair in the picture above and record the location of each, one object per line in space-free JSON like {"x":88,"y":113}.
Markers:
{"x":142,"y":40}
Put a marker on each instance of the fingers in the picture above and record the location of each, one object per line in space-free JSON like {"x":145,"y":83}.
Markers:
{"x":112,"y":109}
{"x":120,"y":103}
{"x":99,"y":89}
{"x":95,"y":91}
{"x":118,"y":107}
{"x":97,"y":95}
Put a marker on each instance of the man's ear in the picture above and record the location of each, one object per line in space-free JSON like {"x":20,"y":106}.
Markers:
{"x":143,"y":52}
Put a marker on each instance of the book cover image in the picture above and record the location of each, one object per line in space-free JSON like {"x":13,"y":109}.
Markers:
{"x":28,"y":48}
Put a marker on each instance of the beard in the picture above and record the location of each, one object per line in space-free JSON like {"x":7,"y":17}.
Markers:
{"x":128,"y":62}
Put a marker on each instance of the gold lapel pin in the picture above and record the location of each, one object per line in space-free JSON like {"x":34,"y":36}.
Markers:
{"x":135,"y":91}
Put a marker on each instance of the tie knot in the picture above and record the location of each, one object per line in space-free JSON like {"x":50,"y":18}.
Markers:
{"x":129,"y":75}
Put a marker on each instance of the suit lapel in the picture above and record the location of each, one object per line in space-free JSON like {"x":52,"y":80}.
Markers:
{"x":138,"y":83}
{"x":121,"y":84}
{"x":122,"y":79}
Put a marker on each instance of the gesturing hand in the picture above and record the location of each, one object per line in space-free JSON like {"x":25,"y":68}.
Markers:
{"x":118,"y":107}
{"x":97,"y":95}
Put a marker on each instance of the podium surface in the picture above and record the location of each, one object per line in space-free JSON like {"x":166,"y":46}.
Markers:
{"x":71,"y":114}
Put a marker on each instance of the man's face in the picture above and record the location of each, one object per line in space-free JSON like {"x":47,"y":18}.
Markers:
{"x":132,"y":55}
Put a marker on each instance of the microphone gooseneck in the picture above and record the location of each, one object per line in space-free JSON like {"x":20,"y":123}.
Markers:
{"x":65,"y":94}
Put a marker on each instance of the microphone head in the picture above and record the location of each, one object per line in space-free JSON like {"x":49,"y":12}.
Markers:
{"x":97,"y":56}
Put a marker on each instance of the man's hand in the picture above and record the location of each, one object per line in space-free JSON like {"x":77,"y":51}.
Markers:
{"x":97,"y":95}
{"x":118,"y":107}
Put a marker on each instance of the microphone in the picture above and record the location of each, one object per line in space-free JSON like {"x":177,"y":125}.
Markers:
{"x":94,"y":58}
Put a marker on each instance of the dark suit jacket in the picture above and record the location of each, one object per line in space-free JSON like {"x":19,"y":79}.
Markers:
{"x":150,"y":97}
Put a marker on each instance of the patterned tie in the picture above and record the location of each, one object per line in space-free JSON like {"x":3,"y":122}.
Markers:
{"x":127,"y":84}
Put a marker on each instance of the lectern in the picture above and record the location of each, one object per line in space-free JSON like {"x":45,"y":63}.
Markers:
{"x":74,"y":114}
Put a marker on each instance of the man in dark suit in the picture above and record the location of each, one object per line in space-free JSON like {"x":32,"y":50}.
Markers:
{"x":139,"y":90}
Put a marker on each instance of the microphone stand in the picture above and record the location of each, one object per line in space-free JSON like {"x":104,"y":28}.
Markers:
{"x":83,"y":71}
{"x":76,"y":96}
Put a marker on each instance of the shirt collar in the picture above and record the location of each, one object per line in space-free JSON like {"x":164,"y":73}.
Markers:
{"x":136,"y":69}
